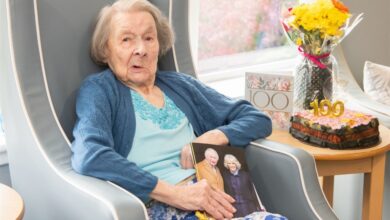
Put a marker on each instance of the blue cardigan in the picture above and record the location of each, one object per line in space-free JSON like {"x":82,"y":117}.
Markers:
{"x":105,"y":126}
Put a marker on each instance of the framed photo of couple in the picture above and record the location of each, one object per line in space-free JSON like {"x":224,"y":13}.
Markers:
{"x":225,"y":168}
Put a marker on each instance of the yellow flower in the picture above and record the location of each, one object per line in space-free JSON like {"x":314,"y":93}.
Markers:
{"x":298,"y":41}
{"x":322,"y":16}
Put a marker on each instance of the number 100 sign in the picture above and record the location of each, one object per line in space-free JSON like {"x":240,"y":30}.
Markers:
{"x":271,"y":100}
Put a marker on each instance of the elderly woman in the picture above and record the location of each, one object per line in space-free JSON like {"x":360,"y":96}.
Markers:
{"x":238,"y":184}
{"x":134,"y":123}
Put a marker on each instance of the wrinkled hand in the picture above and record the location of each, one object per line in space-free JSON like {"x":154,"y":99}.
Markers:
{"x":186,"y":157}
{"x":201,"y":196}
{"x":216,"y":137}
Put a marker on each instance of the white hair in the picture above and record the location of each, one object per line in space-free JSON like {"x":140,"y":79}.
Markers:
{"x":211,"y":151}
{"x":229,"y":158}
{"x":102,"y":30}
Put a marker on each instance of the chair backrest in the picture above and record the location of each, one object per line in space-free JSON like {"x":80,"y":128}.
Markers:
{"x":64,"y":30}
{"x":47,"y":57}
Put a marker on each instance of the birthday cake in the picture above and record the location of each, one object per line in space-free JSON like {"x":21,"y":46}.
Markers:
{"x":350,"y":130}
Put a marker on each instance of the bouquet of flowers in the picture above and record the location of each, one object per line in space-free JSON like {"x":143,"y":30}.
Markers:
{"x":316,"y":28}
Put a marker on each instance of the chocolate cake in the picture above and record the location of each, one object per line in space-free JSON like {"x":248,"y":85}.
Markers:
{"x":350,"y":130}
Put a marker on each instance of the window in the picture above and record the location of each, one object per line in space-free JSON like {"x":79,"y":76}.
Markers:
{"x":239,"y":36}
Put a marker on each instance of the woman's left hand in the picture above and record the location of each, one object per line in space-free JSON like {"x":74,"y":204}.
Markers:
{"x":215,"y":137}
{"x":186,"y":157}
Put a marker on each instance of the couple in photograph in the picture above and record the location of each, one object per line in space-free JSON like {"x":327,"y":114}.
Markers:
{"x":232,"y":180}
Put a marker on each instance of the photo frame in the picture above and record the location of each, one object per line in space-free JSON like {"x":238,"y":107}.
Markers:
{"x":229,"y":173}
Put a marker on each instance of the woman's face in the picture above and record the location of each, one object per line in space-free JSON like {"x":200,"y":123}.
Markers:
{"x":232,"y":166}
{"x":132,"y":48}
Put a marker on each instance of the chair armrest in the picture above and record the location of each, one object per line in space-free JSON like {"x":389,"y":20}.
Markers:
{"x":286,"y":180}
{"x":112,"y":201}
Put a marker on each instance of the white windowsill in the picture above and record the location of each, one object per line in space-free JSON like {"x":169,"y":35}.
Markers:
{"x":233,"y":85}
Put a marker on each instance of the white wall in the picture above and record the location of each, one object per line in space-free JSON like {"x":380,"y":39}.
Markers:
{"x":370,"y":40}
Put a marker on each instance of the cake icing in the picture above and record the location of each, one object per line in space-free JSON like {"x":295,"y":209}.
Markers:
{"x":350,"y":130}
{"x":348,"y":118}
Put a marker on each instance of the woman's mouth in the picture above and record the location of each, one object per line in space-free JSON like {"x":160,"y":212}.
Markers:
{"x":136,"y":66}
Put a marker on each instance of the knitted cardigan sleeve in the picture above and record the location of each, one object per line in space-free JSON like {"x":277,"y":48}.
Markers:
{"x":93,"y":145}
{"x":236,"y":118}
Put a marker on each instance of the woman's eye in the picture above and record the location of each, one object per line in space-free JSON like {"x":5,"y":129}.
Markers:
{"x":149,"y":38}
{"x":126,"y":39}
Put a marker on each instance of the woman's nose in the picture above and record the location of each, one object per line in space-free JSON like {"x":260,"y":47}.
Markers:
{"x":139,"y":48}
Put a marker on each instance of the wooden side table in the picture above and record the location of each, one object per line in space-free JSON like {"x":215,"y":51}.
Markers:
{"x":370,"y":161}
{"x":11,"y":204}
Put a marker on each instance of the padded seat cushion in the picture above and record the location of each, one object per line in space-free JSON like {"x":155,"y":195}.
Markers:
{"x":377,"y":82}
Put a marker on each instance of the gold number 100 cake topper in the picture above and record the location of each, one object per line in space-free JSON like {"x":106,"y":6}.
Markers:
{"x":327,"y":108}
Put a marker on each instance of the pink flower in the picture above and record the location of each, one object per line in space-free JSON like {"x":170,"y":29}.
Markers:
{"x":284,"y":85}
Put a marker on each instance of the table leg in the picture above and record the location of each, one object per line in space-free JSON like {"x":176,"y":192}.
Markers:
{"x":327,"y":187}
{"x":373,"y":189}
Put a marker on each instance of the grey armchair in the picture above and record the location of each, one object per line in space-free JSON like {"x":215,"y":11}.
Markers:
{"x":354,"y":95}
{"x":47,"y":44}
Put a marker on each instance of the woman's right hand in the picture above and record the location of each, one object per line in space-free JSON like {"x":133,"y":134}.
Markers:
{"x":199,"y":196}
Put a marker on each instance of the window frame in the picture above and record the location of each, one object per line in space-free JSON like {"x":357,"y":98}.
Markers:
{"x":231,"y":81}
